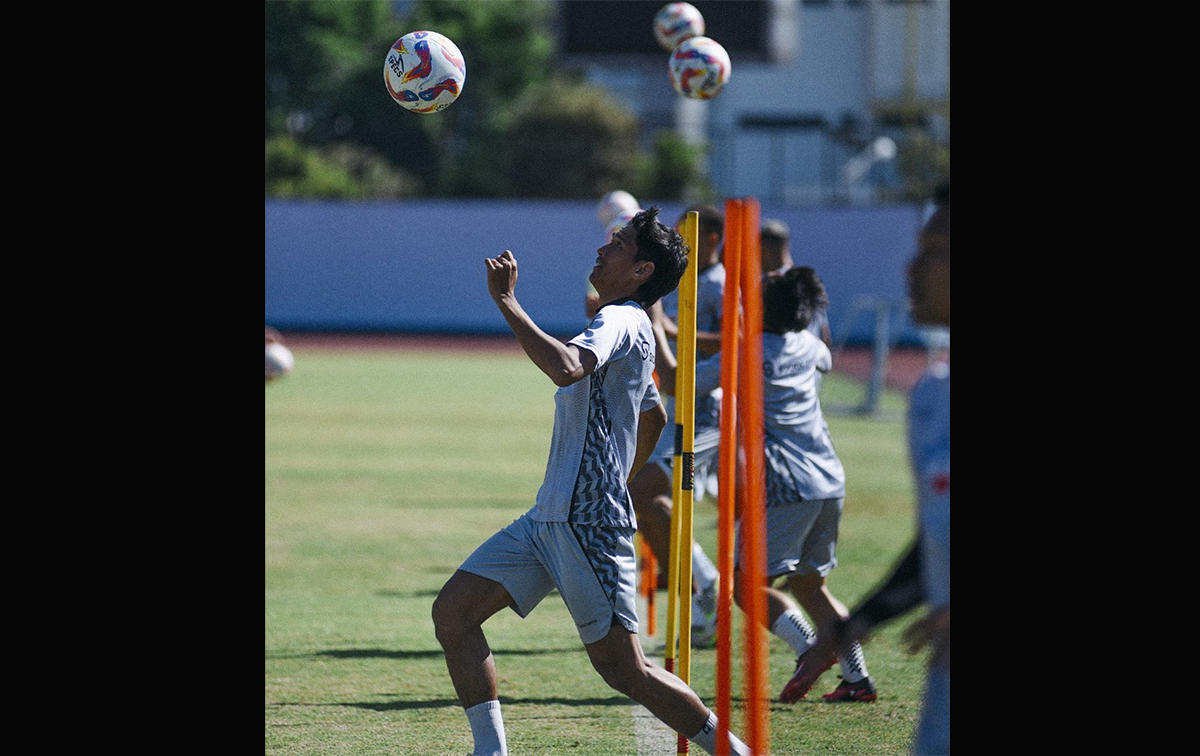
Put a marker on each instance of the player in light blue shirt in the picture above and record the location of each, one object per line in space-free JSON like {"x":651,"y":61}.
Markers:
{"x":922,"y":575}
{"x":578,"y":536}
{"x":805,"y":481}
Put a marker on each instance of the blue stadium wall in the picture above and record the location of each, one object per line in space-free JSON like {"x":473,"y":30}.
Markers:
{"x":417,"y":267}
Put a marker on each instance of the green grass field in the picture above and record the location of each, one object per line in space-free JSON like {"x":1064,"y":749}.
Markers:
{"x":384,"y":470}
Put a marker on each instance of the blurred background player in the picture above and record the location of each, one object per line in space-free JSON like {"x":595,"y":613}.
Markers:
{"x":922,"y":575}
{"x":776,"y":252}
{"x":651,"y":489}
{"x":578,"y":536}
{"x":775,"y":240}
{"x":804,"y":476}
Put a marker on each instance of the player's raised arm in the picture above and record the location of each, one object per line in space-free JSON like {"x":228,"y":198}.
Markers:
{"x":564,"y":363}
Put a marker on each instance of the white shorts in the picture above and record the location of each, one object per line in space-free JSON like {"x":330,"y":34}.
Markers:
{"x":705,"y":446}
{"x":801,"y":537}
{"x":594,"y":569}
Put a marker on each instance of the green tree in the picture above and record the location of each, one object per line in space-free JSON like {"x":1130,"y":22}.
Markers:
{"x":674,"y":170}
{"x":311,"y":48}
{"x":571,"y":141}
{"x":520,"y":128}
{"x":509,"y":47}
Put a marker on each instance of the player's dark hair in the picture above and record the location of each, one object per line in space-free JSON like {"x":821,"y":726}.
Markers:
{"x":792,"y":299}
{"x":712,"y":220}
{"x":774,"y":232}
{"x":663,"y":246}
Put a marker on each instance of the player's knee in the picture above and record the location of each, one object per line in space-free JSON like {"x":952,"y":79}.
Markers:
{"x":449,"y":619}
{"x":618,"y":675}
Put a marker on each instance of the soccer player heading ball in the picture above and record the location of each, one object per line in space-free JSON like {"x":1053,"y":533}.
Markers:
{"x":578,"y":536}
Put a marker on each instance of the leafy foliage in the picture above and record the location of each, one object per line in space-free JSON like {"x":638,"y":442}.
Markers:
{"x":571,"y":141}
{"x":523,"y":128}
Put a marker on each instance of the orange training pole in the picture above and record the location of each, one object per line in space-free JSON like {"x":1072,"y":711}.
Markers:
{"x":727,"y":472}
{"x":649,"y":583}
{"x":754,"y":538}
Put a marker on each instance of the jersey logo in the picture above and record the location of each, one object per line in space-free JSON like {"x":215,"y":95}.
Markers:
{"x":940,"y":483}
{"x":643,"y":348}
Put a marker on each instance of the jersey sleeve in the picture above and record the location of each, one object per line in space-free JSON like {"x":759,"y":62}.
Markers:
{"x":824,"y":358}
{"x":651,"y":398}
{"x":608,"y":336}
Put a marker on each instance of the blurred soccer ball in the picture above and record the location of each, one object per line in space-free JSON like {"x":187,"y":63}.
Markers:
{"x":280,"y":360}
{"x":613,"y":204}
{"x":676,"y":22}
{"x":424,"y":72}
{"x":699,"y":68}
{"x":619,"y":222}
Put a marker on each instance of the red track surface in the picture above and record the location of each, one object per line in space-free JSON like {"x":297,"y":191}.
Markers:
{"x":905,"y":364}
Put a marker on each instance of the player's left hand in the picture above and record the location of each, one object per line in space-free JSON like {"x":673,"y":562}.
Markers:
{"x":932,"y":630}
{"x":501,"y":274}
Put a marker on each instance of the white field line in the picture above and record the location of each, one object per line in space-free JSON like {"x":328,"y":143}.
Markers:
{"x":653,"y":737}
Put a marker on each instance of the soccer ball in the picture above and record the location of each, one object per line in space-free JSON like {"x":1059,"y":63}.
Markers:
{"x":676,"y":22}
{"x":699,"y":68}
{"x":619,"y":222}
{"x":280,"y":360}
{"x":615,"y":203}
{"x":424,"y":72}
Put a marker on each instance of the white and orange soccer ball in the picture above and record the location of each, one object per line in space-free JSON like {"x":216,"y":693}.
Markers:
{"x":424,"y":72}
{"x":676,"y":22}
{"x":699,"y":68}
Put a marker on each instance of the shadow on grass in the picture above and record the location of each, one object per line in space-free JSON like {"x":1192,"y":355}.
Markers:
{"x":387,"y":653}
{"x":431,"y":593}
{"x":439,"y":703}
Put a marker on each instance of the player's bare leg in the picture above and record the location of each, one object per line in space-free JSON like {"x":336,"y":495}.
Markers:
{"x":813,"y":594}
{"x":651,"y":493}
{"x":619,"y":659}
{"x":825,"y":609}
{"x":466,"y":601}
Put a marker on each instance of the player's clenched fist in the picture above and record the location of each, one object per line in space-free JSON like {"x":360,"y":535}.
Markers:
{"x":502,"y":274}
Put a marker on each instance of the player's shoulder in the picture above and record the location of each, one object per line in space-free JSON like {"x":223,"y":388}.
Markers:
{"x":931,"y":391}
{"x":622,"y":314}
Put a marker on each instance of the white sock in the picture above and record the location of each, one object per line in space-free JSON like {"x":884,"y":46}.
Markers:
{"x":795,"y":631}
{"x":704,"y":572}
{"x":854,"y":668}
{"x":488,"y":728}
{"x":707,"y":739}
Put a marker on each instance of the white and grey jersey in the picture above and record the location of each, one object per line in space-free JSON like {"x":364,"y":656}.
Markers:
{"x":596,"y":422}
{"x":929,"y":449}
{"x":801,"y":462}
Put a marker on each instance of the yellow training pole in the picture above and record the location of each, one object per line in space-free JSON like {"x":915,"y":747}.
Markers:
{"x":727,"y":471}
{"x":680,"y":586}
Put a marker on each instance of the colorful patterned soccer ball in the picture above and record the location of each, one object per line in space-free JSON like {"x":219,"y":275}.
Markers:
{"x":676,"y":22}
{"x":424,"y":72}
{"x":619,"y":222}
{"x":614,"y":204}
{"x":699,"y":68}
